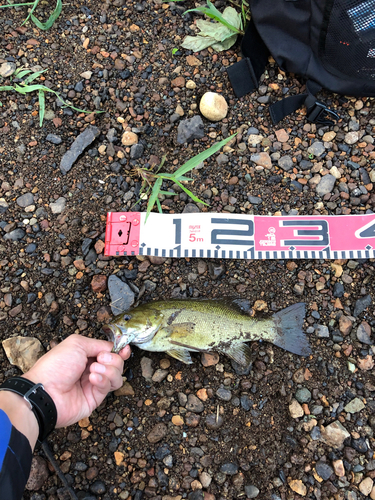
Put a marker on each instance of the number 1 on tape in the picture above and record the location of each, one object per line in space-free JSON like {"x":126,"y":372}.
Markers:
{"x":235,"y":236}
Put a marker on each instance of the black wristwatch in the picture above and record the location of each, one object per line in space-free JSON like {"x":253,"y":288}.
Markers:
{"x":39,"y":400}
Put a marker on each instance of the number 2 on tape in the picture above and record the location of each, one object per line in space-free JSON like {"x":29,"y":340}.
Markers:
{"x":234,"y":236}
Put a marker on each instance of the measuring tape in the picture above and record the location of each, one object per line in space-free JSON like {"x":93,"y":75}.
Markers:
{"x":235,"y":236}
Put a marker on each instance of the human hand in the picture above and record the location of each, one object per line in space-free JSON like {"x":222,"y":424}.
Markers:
{"x":77,"y":374}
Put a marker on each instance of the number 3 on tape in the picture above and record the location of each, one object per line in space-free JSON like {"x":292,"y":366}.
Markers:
{"x":232,"y":236}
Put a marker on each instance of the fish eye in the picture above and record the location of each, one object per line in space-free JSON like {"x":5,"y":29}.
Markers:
{"x":127,"y":317}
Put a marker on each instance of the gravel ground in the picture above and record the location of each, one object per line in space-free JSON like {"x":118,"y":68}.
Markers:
{"x":287,"y":428}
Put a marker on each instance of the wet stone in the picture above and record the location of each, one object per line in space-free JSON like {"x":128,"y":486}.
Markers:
{"x":136,"y":151}
{"x":360,"y":445}
{"x":58,"y":206}
{"x":322,"y":331}
{"x":355,"y":406}
{"x":364,"y":333}
{"x":285,"y":162}
{"x":98,"y":488}
{"x":316,"y":149}
{"x":158,"y":433}
{"x":338,"y":290}
{"x":246,"y":402}
{"x":38,"y":474}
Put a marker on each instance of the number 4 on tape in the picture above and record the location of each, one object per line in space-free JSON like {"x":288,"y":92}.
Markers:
{"x":232,"y":236}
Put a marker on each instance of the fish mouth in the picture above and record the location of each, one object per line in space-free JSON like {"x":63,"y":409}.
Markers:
{"x":117,"y":336}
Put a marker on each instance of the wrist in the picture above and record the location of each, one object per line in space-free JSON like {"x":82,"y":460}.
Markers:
{"x":20,"y":414}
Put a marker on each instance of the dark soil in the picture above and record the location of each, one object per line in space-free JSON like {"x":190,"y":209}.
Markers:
{"x":259,"y":443}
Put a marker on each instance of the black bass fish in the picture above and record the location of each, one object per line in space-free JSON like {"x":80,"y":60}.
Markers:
{"x":179,"y":326}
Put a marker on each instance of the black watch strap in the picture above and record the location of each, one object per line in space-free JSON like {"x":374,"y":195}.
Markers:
{"x":39,"y":400}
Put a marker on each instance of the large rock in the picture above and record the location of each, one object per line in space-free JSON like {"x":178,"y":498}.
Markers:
{"x":38,"y":474}
{"x":84,"y":140}
{"x":122,"y":296}
{"x":23,"y":352}
{"x":190,"y":129}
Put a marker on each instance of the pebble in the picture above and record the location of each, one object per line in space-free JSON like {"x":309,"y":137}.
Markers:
{"x":364,"y":333}
{"x":7,"y":69}
{"x":129,"y":138}
{"x":15,"y":235}
{"x":159,"y":375}
{"x":298,"y":487}
{"x":365,"y":486}
{"x":303,"y":395}
{"x":345,"y":325}
{"x":335,"y":434}
{"x":23,"y":352}
{"x":224,"y":394}
{"x":324,"y":470}
{"x":213,"y":106}
{"x":99,"y":283}
{"x":209,"y":358}
{"x":362,"y":304}
{"x":146,"y":367}
{"x":55,"y":139}
{"x":122,"y":296}
{"x":194,"y":404}
{"x":84,"y":140}
{"x":326,"y":185}
{"x":158,"y":432}
{"x":329,"y":136}
{"x":213,"y":421}
{"x":262,"y":159}
{"x":351,"y":138}
{"x":285,"y":162}
{"x":125,"y":390}
{"x":355,"y":406}
{"x":58,"y":206}
{"x":98,"y":488}
{"x":254,"y":139}
{"x":251,"y":491}
{"x":190,"y":129}
{"x":25,"y":200}
{"x":322,"y":331}
{"x":338,"y":467}
{"x":295,"y":409}
{"x":229,"y":468}
{"x":316,"y":149}
{"x":136,"y":151}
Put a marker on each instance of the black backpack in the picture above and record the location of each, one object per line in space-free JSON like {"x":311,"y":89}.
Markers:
{"x":331,"y":43}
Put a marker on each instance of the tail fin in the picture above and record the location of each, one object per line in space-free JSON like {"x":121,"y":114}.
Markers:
{"x":289,"y":333}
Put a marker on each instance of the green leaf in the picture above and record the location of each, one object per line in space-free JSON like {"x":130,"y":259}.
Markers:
{"x":21,"y":72}
{"x":167,"y":193}
{"x":196,"y":160}
{"x":42,"y":106}
{"x":197,"y":43}
{"x":33,"y":77}
{"x":52,"y":18}
{"x":225,"y":44}
{"x":212,"y":12}
{"x":153,"y":197}
{"x":214,"y":30}
{"x":189,"y":193}
{"x":159,"y":206}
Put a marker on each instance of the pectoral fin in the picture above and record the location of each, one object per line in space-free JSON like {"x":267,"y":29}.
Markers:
{"x":180,"y":354}
{"x":179,"y":330}
{"x":240,"y":353}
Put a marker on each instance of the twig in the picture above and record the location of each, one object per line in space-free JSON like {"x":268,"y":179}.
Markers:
{"x":48,"y":453}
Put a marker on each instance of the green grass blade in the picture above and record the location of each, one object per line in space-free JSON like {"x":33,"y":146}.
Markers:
{"x":35,"y":4}
{"x":159,"y":206}
{"x":20,"y":73}
{"x":16,"y":5}
{"x":42,"y":106}
{"x":168,"y":193}
{"x":30,"y":88}
{"x":164,"y":175}
{"x":52,"y":18}
{"x":153,"y":197}
{"x":196,"y":160}
{"x":33,"y":77}
{"x":212,"y":12}
{"x":189,"y":193}
{"x":6,"y":88}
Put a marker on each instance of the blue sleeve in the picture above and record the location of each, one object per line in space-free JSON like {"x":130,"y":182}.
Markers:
{"x":15,"y":460}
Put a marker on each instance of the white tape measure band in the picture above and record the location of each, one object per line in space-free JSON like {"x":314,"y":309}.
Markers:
{"x":236,"y":236}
